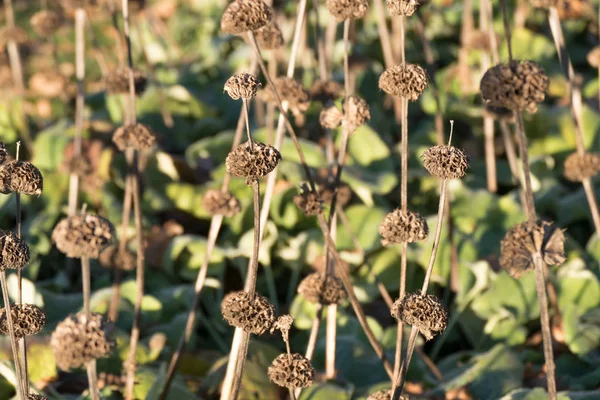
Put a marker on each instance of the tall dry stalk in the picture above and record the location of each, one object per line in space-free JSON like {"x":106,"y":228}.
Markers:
{"x":86,"y":285}
{"x":13,"y":340}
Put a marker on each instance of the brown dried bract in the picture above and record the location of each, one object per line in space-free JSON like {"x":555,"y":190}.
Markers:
{"x":112,"y":258}
{"x":242,"y":85}
{"x":331,"y":117}
{"x":357,"y":112}
{"x":292,"y":92}
{"x":117,"y":81}
{"x":15,"y":251}
{"x":138,"y":137}
{"x":299,"y":373}
{"x":404,"y":80}
{"x":425,"y":312}
{"x":28,"y":320}
{"x":518,"y":85}
{"x":593,"y":57}
{"x":269,"y":37}
{"x":242,"y":16}
{"x":316,"y":288}
{"x":344,"y":193}
{"x":402,"y":7}
{"x":326,"y":91}
{"x":308,"y":202}
{"x":218,"y":202}
{"x":347,"y":9}
{"x":399,"y":227}
{"x":446,"y":162}
{"x":524,"y":240}
{"x":20,"y":177}
{"x":83,"y":235}
{"x":253,"y":316}
{"x":579,"y":167}
{"x":45,"y":22}
{"x":252,"y":163}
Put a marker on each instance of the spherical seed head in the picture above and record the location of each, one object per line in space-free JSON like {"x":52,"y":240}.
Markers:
{"x":217,"y":202}
{"x":402,"y":7}
{"x":284,"y":322}
{"x":3,"y":153}
{"x":543,"y":3}
{"x":45,"y":22}
{"x":28,"y":319}
{"x":77,"y":340}
{"x":308,"y":202}
{"x":298,"y":373}
{"x":518,"y":85}
{"x":344,"y":194}
{"x":242,"y":16}
{"x":579,"y":167}
{"x":112,"y":258}
{"x":425,"y":312}
{"x":446,"y":162}
{"x":499,"y":113}
{"x":269,"y":37}
{"x":524,"y":240}
{"x":316,"y":288}
{"x":137,"y":136}
{"x":400,"y":227}
{"x":15,"y":252}
{"x":404,"y":80}
{"x":331,"y":117}
{"x":357,"y":112}
{"x":20,"y":177}
{"x":253,"y":316}
{"x":326,"y":91}
{"x":347,"y":9}
{"x":593,"y":57}
{"x":242,"y":85}
{"x":83,"y":235}
{"x":252,"y":162}
{"x":117,"y":81}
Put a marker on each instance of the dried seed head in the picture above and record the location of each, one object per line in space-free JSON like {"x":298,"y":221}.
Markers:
{"x":347,"y":9}
{"x":45,"y":22}
{"x":252,"y":163}
{"x":3,"y":153}
{"x":357,"y":112}
{"x":402,"y":7}
{"x":112,"y":258}
{"x":400,"y":227}
{"x":293,"y":92}
{"x":578,"y":167}
{"x":479,"y":40}
{"x":499,"y":113}
{"x":425,"y":312}
{"x":28,"y":320}
{"x":117,"y":81}
{"x":308,"y":202}
{"x":283,"y":324}
{"x":83,"y":235}
{"x":33,"y":396}
{"x":77,"y":340}
{"x":14,"y":34}
{"x":217,"y":202}
{"x":79,"y":166}
{"x":269,"y":37}
{"x":316,"y":288}
{"x":326,"y":91}
{"x":404,"y":80}
{"x":242,"y":85}
{"x":593,"y":57}
{"x":138,"y":137}
{"x":543,"y":3}
{"x":15,"y":252}
{"x":20,"y":177}
{"x":344,"y":194}
{"x":254,"y":316}
{"x":331,"y":117}
{"x":524,"y":240}
{"x":297,"y":374}
{"x":518,"y":85}
{"x":242,"y":16}
{"x":446,"y":162}
{"x":386,"y":395}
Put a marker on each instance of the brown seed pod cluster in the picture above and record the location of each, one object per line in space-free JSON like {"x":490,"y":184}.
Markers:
{"x":45,"y":22}
{"x":425,"y":312}
{"x":242,"y":16}
{"x":579,"y":167}
{"x":283,"y":323}
{"x":112,"y":258}
{"x":117,"y":81}
{"x":543,"y":3}
{"x":269,"y":37}
{"x":445,"y":162}
{"x":242,"y":85}
{"x":593,"y":57}
{"x":331,"y":117}
{"x":404,"y":80}
{"x":292,"y":92}
{"x":218,"y":202}
{"x":344,"y":194}
{"x":499,"y":113}
{"x":347,"y":9}
{"x":291,"y":371}
{"x":518,"y":85}
{"x":77,"y":340}
{"x":326,"y":90}
{"x":316,"y":288}
{"x":357,"y":112}
{"x":252,"y":160}
{"x":28,"y":320}
{"x":524,"y":240}
{"x":400,"y":227}
{"x":134,"y":136}
{"x":308,"y":202}
{"x":254,"y":316}
{"x":18,"y":176}
{"x":404,"y":8}
{"x":15,"y":252}
{"x":33,"y":396}
{"x":83,"y":235}
{"x":3,"y":153}
{"x":14,"y":34}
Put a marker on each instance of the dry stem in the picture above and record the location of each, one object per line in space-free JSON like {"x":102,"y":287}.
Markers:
{"x":13,"y":340}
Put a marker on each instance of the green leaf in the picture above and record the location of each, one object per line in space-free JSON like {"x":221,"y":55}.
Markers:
{"x":365,"y":146}
{"x":326,"y":391}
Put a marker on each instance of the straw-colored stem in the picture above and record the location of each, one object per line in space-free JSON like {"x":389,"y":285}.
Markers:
{"x":591,"y":199}
{"x":87,"y":291}
{"x":321,"y":59}
{"x":13,"y":340}
{"x":247,"y":119}
{"x":384,"y":35}
{"x":490,"y":154}
{"x":526,"y":181}
{"x":93,"y":380}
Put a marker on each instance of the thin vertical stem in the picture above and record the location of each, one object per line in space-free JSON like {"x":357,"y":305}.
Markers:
{"x":247,"y":118}
{"x":402,"y":43}
{"x":93,"y":380}
{"x":591,"y":198}
{"x":506,"y":29}
{"x":320,"y":43}
{"x":13,"y":340}
{"x":86,"y":284}
{"x":522,"y":139}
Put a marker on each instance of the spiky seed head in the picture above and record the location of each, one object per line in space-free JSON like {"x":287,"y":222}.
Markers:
{"x":331,"y":117}
{"x":112,"y":258}
{"x":347,"y":9}
{"x":255,"y":316}
{"x":15,"y":251}
{"x":399,"y":227}
{"x":33,"y":396}
{"x":308,"y":202}
{"x":326,"y":91}
{"x":404,"y":8}
{"x":137,"y":136}
{"x":14,"y":34}
{"x":3,"y":153}
{"x":593,"y":57}
{"x":269,"y":37}
{"x":425,"y":312}
{"x":83,"y":235}
{"x":404,"y":80}
{"x":299,"y":373}
{"x":357,"y":112}
{"x":579,"y":167}
{"x":218,"y":202}
{"x":28,"y":320}
{"x":344,"y":194}
{"x":543,"y":3}
{"x":20,"y":177}
{"x":524,"y":240}
{"x":499,"y":113}
{"x":117,"y":81}
{"x":252,"y":163}
{"x":242,"y":85}
{"x":316,"y":288}
{"x":446,"y":162}
{"x":242,"y":16}
{"x":518,"y":85}
{"x":45,"y":22}
{"x":283,"y":323}
{"x":77,"y":340}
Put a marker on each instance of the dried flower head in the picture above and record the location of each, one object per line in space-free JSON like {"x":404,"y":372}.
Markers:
{"x":543,"y":3}
{"x":252,"y":161}
{"x":404,"y":80}
{"x":283,"y":323}
{"x":15,"y":252}
{"x":112,"y":258}
{"x":79,"y":166}
{"x":308,"y":202}
{"x":218,"y":202}
{"x":269,"y":37}
{"x":117,"y":81}
{"x":326,"y":91}
{"x":499,"y":113}
{"x":20,"y":177}
{"x":518,"y":85}
{"x":33,"y":396}
{"x":344,"y":194}
{"x":292,"y":92}
{"x":28,"y":320}
{"x":578,"y":167}
{"x":399,"y":227}
{"x":331,"y":117}
{"x":446,"y":162}
{"x":347,"y":9}
{"x":45,"y":22}
{"x":524,"y":240}
{"x":425,"y":312}
{"x":3,"y":153}
{"x":357,"y":112}
{"x":14,"y":34}
{"x":242,"y":16}
{"x":255,"y":316}
{"x":242,"y":85}
{"x":83,"y":235}
{"x":137,"y":136}
{"x":316,"y":288}
{"x":593,"y":57}
{"x":298,"y":373}
{"x":77,"y":340}
{"x":404,"y":8}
